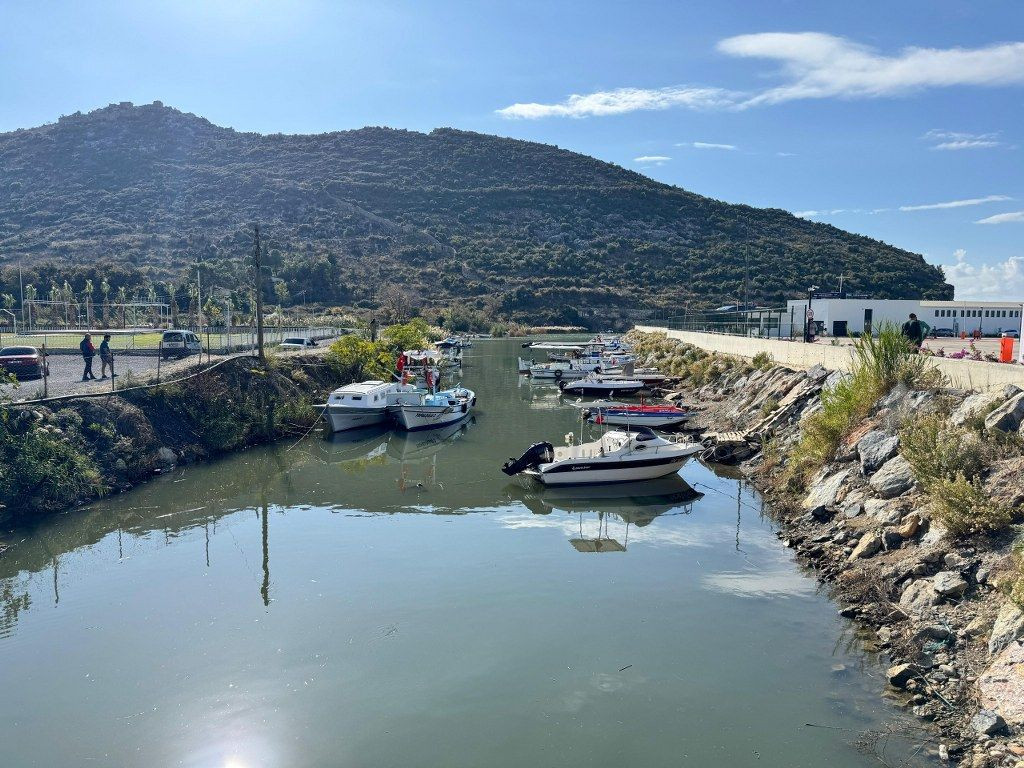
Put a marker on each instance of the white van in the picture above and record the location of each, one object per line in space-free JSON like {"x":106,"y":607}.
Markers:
{"x":179,"y":344}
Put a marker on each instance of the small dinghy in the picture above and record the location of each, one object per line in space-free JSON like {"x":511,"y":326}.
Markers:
{"x":619,"y":456}
{"x":622,"y":414}
{"x":595,"y":384}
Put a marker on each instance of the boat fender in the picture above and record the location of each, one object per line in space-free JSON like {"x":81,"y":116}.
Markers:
{"x":465,"y":407}
{"x":561,"y":384}
{"x":558,"y":374}
{"x":473,"y":401}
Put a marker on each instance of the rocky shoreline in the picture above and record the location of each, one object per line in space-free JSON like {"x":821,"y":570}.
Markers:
{"x":936,"y":605}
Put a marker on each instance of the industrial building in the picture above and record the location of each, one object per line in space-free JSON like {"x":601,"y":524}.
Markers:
{"x":847,"y":316}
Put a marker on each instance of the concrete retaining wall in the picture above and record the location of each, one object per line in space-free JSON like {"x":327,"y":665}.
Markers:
{"x":962,"y":374}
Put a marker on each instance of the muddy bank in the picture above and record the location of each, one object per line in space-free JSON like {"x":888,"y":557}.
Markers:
{"x":71,"y":452}
{"x":937,"y":604}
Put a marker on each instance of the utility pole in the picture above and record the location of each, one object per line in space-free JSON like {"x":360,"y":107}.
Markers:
{"x":257,"y":262}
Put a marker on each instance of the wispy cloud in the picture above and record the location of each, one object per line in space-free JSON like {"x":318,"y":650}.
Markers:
{"x":814,"y":66}
{"x":956,"y":203}
{"x":820,"y":214}
{"x":1002,"y":218}
{"x":622,"y":100}
{"x":1003,"y":280}
{"x":707,"y":145}
{"x":955,"y":140}
{"x":651,"y":159}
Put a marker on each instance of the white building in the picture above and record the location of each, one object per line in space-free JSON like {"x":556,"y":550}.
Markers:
{"x":843,"y":317}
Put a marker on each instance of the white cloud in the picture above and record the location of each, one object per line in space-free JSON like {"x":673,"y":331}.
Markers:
{"x":1002,"y":218}
{"x":956,"y":203}
{"x":815,"y":66}
{"x":820,"y":214}
{"x":956,"y":140}
{"x":652,"y":159}
{"x":821,"y":66}
{"x":1002,"y":281}
{"x":622,"y":100}
{"x":707,"y":145}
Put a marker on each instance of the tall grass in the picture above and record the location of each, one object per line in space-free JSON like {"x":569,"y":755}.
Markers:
{"x":879,"y":364}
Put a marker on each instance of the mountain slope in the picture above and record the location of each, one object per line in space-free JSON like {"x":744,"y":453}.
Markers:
{"x":524,"y":230}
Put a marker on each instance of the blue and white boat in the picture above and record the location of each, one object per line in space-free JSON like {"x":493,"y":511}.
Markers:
{"x":422,"y":409}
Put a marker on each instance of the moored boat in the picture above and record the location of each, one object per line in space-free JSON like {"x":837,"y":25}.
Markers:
{"x":358,"y":405}
{"x":623,"y":414}
{"x":422,"y":409}
{"x":618,"y":456}
{"x":595,"y":384}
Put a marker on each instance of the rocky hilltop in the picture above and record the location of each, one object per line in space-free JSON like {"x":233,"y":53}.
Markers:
{"x":522,"y":230}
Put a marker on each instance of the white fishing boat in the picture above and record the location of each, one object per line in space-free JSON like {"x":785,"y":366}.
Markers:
{"x":358,"y":405}
{"x":619,"y":456}
{"x":596,"y":384}
{"x":423,"y":409}
{"x":570,"y":370}
{"x":525,"y":365}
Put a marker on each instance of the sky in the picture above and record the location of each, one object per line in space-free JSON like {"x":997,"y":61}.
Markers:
{"x":903,"y":121}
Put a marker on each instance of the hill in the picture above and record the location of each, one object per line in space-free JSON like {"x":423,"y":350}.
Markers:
{"x":517,"y":229}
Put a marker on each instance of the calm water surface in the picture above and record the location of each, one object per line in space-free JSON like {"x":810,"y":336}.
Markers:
{"x":387,"y":601}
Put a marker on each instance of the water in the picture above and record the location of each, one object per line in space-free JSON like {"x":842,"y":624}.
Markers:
{"x":397,"y":602}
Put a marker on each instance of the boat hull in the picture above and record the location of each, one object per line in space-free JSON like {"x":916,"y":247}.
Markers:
{"x":583,"y":472}
{"x":624,"y":420}
{"x":413,"y":418}
{"x":603,"y":388}
{"x":344,"y":419}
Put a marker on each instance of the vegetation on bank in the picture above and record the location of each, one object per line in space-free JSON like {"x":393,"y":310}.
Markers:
{"x":53,"y":458}
{"x":355,"y":358}
{"x":880,"y":363}
{"x":500,"y":227}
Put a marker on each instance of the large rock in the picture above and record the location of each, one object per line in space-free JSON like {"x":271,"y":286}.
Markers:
{"x":973,"y":405}
{"x":901,"y":674}
{"x":918,"y":597}
{"x":986,"y":722}
{"x":165,"y":458}
{"x":1009,"y":416}
{"x":949,"y":584}
{"x":893,"y":479}
{"x":1009,"y":626}
{"x":1001,"y":686}
{"x":876,"y":448}
{"x":824,"y":492}
{"x":869,"y":544}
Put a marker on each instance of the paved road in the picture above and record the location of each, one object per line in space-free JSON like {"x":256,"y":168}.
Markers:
{"x":66,"y":373}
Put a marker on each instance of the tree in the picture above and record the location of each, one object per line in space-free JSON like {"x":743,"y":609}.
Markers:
{"x":30,"y":297}
{"x":122,"y":299}
{"x":87,"y":294}
{"x":105,"y":290}
{"x":172,"y":299}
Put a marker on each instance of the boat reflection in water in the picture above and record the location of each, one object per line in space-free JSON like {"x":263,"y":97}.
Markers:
{"x":417,"y":452}
{"x":631,"y":503}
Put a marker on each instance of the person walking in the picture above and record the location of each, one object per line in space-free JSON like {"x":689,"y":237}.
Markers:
{"x":914,"y":332}
{"x":88,"y":353}
{"x":106,"y":358}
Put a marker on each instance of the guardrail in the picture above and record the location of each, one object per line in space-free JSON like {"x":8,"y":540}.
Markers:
{"x":146,"y":341}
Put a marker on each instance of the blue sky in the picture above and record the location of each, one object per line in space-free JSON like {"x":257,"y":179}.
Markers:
{"x":899,"y":120}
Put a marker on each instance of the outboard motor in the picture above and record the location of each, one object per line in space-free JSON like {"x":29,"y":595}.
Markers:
{"x":532,"y":457}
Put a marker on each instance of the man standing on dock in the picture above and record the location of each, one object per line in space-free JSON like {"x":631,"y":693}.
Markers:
{"x":88,"y":353}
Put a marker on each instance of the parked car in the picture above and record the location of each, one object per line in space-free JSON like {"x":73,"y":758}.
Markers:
{"x":1011,"y":335}
{"x":179,"y":344}
{"x":23,"y":362}
{"x":946,"y":333}
{"x":297,"y":342}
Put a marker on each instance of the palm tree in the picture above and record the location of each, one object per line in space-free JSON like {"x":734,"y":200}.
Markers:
{"x":87,"y":295}
{"x":54,"y":303}
{"x":193,"y":303}
{"x":105,"y":290}
{"x":122,"y":299}
{"x":173,"y":301}
{"x":30,"y":297}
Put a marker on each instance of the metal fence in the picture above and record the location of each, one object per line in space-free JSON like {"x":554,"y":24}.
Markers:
{"x":762,"y":323}
{"x":217,"y":340}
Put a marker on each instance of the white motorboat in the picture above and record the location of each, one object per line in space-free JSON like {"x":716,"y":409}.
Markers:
{"x":619,"y":456}
{"x":526,"y":365}
{"x":358,"y":405}
{"x":422,"y":409}
{"x":596,"y":384}
{"x":570,"y":370}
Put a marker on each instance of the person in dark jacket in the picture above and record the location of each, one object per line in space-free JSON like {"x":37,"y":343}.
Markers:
{"x":106,"y":358}
{"x":88,"y":353}
{"x":913,"y":331}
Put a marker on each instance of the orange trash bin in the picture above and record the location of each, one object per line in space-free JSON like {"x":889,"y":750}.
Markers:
{"x":1005,"y":350}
